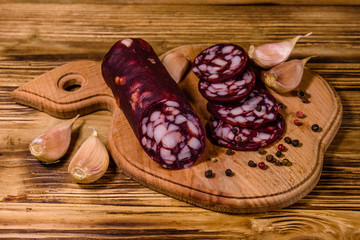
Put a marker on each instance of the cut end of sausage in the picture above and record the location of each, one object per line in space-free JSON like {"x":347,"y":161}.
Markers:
{"x":175,"y":139}
{"x":220,"y":62}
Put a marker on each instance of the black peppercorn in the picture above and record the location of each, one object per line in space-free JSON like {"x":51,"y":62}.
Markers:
{"x":238,"y":138}
{"x":208,"y":173}
{"x":261,"y":151}
{"x":315,"y":127}
{"x":252,"y":164}
{"x":278,"y":153}
{"x":287,"y":140}
{"x":305,"y":100}
{"x":295,"y":142}
{"x":270,"y":158}
{"x":212,"y":118}
{"x":258,"y":108}
{"x":235,"y":130}
{"x":281,"y":105}
{"x":228,"y":172}
{"x":229,"y":152}
{"x":301,"y":93}
{"x":285,"y":162}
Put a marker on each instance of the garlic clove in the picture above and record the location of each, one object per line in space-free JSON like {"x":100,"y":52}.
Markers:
{"x":272,"y":54}
{"x":286,"y":76}
{"x":90,"y":162}
{"x":176,"y":64}
{"x":50,"y":146}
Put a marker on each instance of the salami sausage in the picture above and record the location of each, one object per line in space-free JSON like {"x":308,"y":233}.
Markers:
{"x":247,"y":139}
{"x":258,"y":108}
{"x":220,"y":62}
{"x":229,"y":91}
{"x":167,"y":128}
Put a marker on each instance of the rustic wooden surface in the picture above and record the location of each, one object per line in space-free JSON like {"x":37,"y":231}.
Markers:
{"x":38,"y":201}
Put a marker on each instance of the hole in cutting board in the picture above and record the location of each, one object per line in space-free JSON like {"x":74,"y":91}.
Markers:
{"x":71,"y":82}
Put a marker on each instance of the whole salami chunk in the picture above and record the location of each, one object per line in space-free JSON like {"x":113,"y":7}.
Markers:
{"x":247,"y":139}
{"x":168,"y":129}
{"x":256,"y":109}
{"x":229,"y":91}
{"x":220,"y":62}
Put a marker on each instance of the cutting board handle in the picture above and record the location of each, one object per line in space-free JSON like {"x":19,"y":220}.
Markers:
{"x":74,"y":88}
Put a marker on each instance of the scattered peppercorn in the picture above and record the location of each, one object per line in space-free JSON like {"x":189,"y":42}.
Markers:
{"x":228,"y":172}
{"x":287,"y":140}
{"x":238,"y":138}
{"x":297,"y":122}
{"x":295,"y":143}
{"x":315,"y":127}
{"x":299,"y":114}
{"x":261,"y":151}
{"x":270,"y":158}
{"x":301,"y":93}
{"x":213,"y":160}
{"x":281,"y":105}
{"x":278,"y":153}
{"x":252,"y":164}
{"x":261,"y":165}
{"x":285,"y":162}
{"x":229,"y":152}
{"x":235,"y":130}
{"x":277,"y":162}
{"x":258,"y":108}
{"x":281,"y":147}
{"x":212,"y":118}
{"x":305,"y":100}
{"x":208,"y":174}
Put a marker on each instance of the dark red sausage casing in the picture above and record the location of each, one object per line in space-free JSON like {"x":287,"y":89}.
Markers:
{"x":167,"y":127}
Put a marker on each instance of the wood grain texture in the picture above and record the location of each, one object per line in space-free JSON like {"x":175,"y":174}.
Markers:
{"x":42,"y":201}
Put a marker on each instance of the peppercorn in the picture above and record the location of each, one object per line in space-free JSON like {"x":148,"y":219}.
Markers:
{"x":261,"y":151}
{"x":281,"y":105}
{"x":285,"y":162}
{"x":299,"y":114}
{"x":235,"y":130}
{"x":212,"y":118}
{"x":301,"y":93}
{"x":208,"y":174}
{"x":252,"y":164}
{"x":270,"y":158}
{"x":277,"y":162}
{"x":258,"y":108}
{"x":281,"y":147}
{"x":297,"y":122}
{"x":295,"y":143}
{"x":315,"y":127}
{"x":261,"y":165}
{"x":287,"y":140}
{"x":228,"y":172}
{"x":278,"y":153}
{"x":238,"y":138}
{"x":305,"y":100}
{"x":229,"y":152}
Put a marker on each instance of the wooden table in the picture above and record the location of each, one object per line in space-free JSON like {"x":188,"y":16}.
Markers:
{"x":41,"y":201}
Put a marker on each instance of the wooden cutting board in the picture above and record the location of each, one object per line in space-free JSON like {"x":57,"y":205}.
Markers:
{"x":78,"y":87}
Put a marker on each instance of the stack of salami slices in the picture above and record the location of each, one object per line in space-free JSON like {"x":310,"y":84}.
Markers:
{"x":245,"y":117}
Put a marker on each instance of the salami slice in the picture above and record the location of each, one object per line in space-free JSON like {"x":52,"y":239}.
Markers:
{"x":220,"y":62}
{"x":229,"y":91}
{"x":247,"y":139}
{"x":258,"y":108}
{"x":168,"y":129}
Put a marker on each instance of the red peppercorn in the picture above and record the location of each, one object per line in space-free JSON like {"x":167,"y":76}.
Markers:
{"x":281,"y":147}
{"x":297,"y":122}
{"x":261,"y":165}
{"x":299,"y":114}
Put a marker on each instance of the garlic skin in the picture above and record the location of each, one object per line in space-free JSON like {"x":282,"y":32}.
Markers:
{"x":286,"y":76}
{"x":271,"y":54}
{"x":176,"y":64}
{"x":50,"y":146}
{"x":90,"y":162}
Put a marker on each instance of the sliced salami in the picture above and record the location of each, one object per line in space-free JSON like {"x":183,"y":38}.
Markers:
{"x":247,"y":139}
{"x":256,"y":109}
{"x":229,"y":91}
{"x":220,"y":62}
{"x":168,"y":129}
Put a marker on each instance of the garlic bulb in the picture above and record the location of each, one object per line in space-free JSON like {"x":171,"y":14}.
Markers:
{"x":176,"y":64}
{"x":272,"y":54}
{"x":286,"y":76}
{"x":90,"y":162}
{"x":50,"y":146}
